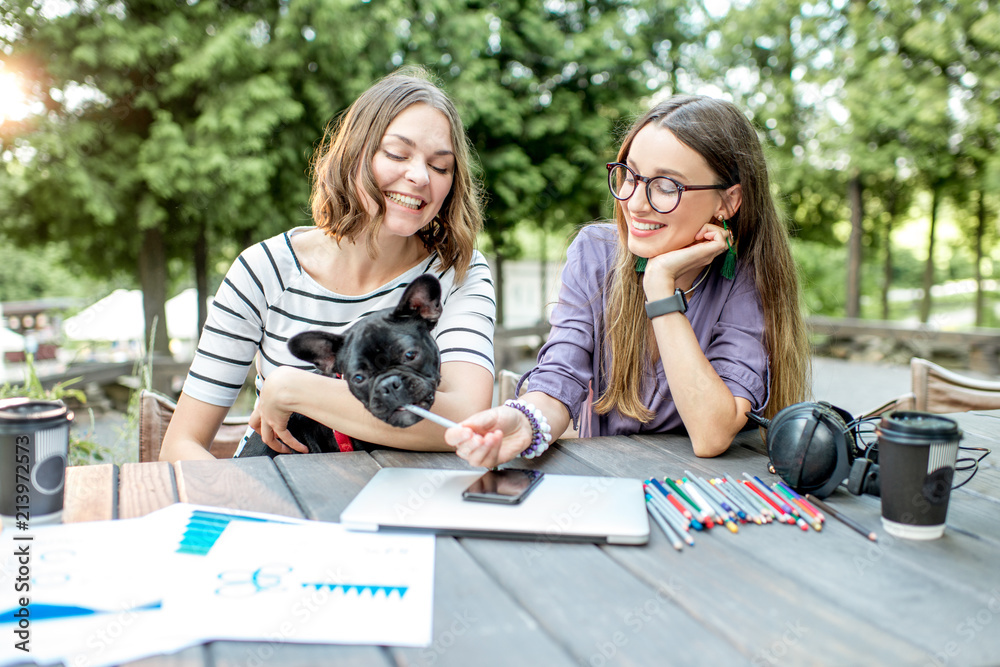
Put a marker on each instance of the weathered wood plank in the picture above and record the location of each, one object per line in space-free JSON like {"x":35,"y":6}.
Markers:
{"x":475,"y":622}
{"x":242,"y":654}
{"x":324,"y":484}
{"x":91,"y":493}
{"x":252,"y":484}
{"x":600,"y":611}
{"x":394,"y":458}
{"x":700,"y":580}
{"x":555,"y":461}
{"x":885,"y":586}
{"x":195,"y":656}
{"x":145,"y":488}
{"x":577,"y":594}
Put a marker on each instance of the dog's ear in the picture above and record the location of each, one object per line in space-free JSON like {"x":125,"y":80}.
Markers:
{"x":422,"y":299}
{"x":318,"y":348}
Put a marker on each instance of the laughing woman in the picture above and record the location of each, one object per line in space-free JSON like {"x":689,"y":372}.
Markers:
{"x":393,"y":198}
{"x":683,"y":312}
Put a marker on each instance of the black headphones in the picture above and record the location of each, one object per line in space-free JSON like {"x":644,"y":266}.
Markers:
{"x":810,"y":446}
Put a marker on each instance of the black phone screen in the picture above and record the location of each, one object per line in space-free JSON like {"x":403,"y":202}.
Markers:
{"x":507,"y":485}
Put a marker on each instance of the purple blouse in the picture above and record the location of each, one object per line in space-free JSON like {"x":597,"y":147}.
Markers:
{"x":725,"y":314}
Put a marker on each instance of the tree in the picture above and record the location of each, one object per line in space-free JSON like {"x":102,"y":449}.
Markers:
{"x":542,"y":88}
{"x":156,"y":117}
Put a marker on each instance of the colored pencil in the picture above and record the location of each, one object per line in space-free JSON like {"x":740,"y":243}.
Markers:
{"x":781,"y":501}
{"x":759,"y":507}
{"x":703,"y":515}
{"x":695,"y":523}
{"x":846,"y":520}
{"x":779,"y":513}
{"x":788,"y":515}
{"x":680,"y":492}
{"x":808,"y":511}
{"x":725,"y":512}
{"x":796,"y":494}
{"x":743,"y":511}
{"x":804,"y":514}
{"x":672,"y":536}
{"x":710,"y":513}
{"x":679,"y":524}
{"x":715,"y":496}
{"x":677,"y":520}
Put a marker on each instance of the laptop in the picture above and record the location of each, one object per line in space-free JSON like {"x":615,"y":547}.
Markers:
{"x":560,"y":508}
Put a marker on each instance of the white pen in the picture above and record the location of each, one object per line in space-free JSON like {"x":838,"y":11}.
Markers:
{"x":427,"y":414}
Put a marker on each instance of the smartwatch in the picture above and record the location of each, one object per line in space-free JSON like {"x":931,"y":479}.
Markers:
{"x":672,"y":304}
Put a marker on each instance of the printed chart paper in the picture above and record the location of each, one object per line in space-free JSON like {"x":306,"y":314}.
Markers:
{"x":106,"y":592}
{"x":352,"y":588}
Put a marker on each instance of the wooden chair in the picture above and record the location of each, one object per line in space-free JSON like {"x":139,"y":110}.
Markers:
{"x":508,"y":383}
{"x":155,"y":412}
{"x":937,"y":390}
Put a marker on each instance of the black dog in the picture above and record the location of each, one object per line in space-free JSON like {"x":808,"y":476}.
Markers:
{"x":388,"y":359}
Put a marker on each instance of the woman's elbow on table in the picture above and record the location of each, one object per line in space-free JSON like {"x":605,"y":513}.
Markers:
{"x":707,"y":448}
{"x":713,"y":439}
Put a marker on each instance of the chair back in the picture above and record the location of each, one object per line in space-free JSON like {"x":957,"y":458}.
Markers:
{"x":155,"y":412}
{"x":938,"y":390}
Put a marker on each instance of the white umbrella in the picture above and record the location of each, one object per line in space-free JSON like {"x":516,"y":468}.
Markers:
{"x":10,"y":341}
{"x":119,"y":317}
{"x":182,"y":315}
{"x":116,"y":317}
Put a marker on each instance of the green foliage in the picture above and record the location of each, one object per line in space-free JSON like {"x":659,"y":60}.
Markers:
{"x":197,"y":120}
{"x":81,"y":450}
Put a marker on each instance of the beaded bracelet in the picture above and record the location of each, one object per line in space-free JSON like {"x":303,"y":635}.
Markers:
{"x":541,"y":434}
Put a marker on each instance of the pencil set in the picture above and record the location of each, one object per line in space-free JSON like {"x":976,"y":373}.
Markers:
{"x":692,"y":503}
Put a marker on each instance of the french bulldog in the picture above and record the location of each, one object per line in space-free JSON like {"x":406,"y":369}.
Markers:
{"x":388,"y":359}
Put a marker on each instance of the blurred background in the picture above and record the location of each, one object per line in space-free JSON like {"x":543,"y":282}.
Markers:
{"x":144,"y":143}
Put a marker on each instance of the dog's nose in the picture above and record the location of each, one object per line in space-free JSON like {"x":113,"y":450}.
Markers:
{"x":390,"y":386}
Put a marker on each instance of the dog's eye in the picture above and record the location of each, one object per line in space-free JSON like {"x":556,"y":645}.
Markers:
{"x":357,"y":378}
{"x":410,"y":355}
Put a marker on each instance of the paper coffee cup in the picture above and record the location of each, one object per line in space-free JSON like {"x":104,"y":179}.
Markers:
{"x":34,"y":448}
{"x":917,"y":453}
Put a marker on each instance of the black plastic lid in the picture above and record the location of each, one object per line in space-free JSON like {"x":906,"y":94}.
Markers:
{"x":28,"y":410}
{"x":918,"y":428}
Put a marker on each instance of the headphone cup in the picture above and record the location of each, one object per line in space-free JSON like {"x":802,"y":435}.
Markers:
{"x":809,"y":447}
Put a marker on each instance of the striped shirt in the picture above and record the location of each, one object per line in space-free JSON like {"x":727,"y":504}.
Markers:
{"x":266,"y":298}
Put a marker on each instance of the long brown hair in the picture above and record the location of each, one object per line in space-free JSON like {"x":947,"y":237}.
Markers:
{"x":345,"y":157}
{"x":722,"y":135}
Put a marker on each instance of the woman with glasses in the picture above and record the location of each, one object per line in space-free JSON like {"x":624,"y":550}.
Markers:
{"x":683,"y":312}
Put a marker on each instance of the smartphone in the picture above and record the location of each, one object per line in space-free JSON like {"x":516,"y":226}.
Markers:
{"x":507,"y":485}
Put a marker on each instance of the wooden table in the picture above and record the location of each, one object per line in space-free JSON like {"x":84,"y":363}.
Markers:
{"x":768,"y":595}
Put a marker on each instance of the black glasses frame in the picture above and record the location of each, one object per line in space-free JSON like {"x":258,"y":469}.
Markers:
{"x":681,"y":188}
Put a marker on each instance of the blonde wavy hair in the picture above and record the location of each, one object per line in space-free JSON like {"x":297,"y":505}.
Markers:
{"x":719,"y":132}
{"x":345,"y":157}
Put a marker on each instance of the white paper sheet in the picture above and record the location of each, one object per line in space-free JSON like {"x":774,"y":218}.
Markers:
{"x":107,"y":592}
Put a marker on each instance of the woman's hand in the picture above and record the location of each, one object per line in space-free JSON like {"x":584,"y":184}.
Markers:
{"x":491,"y":437}
{"x":663,"y":271}
{"x":270,"y":415}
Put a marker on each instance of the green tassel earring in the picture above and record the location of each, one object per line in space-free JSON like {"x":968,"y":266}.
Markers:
{"x":729,"y":266}
{"x":640,"y":264}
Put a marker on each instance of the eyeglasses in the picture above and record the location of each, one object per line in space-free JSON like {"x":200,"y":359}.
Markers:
{"x":662,"y":192}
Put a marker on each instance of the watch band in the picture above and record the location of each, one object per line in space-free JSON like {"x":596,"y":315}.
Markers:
{"x":672,"y":304}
